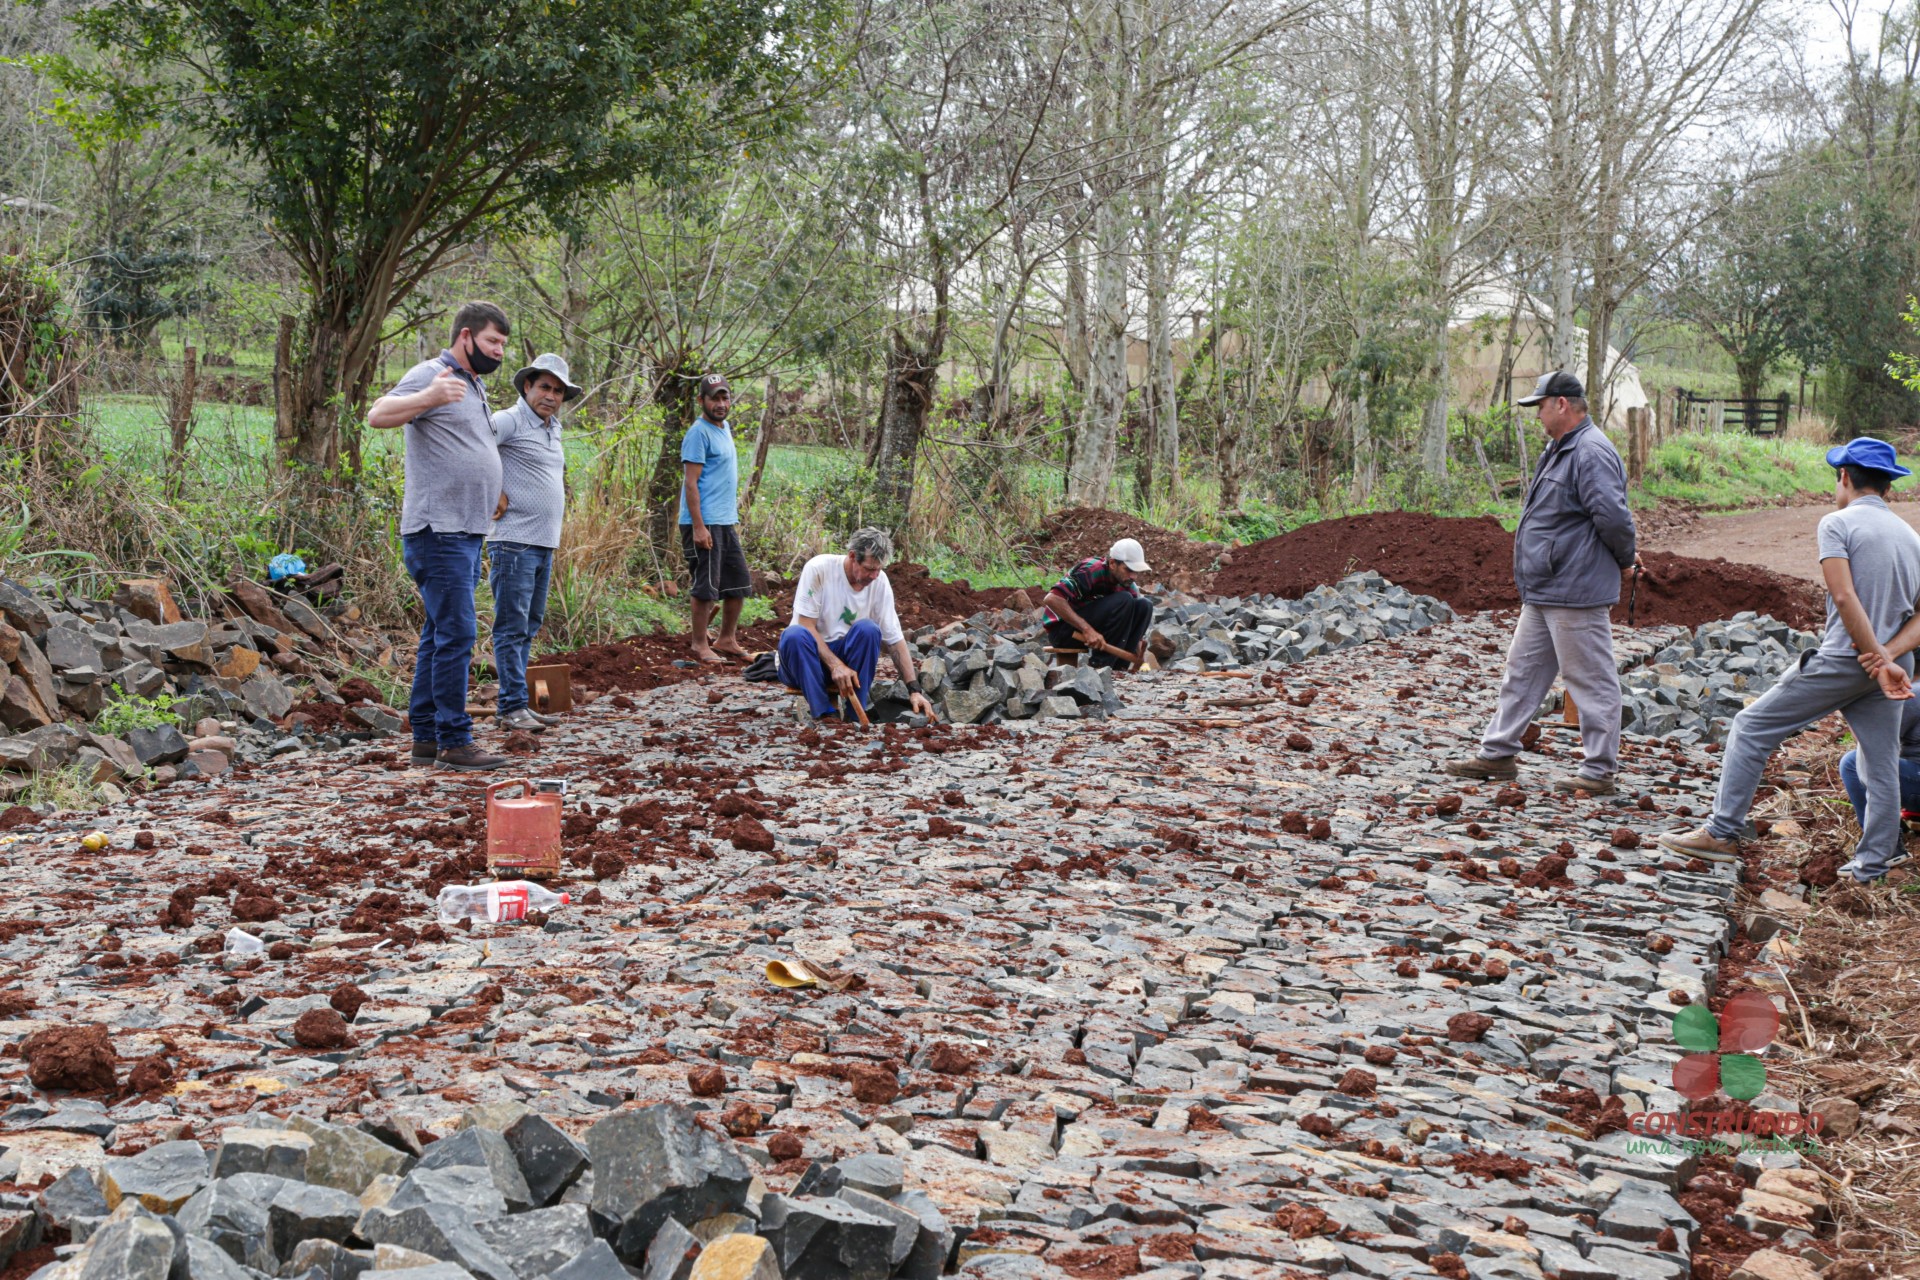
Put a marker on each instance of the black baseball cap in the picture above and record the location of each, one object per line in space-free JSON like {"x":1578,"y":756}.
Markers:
{"x":1557,"y":383}
{"x":711,"y":383}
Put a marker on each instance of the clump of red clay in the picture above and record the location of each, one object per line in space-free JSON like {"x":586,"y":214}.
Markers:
{"x":347,"y":999}
{"x":873,"y":1084}
{"x":1468,"y":1026}
{"x":1469,"y":564}
{"x":150,"y":1075}
{"x":321,"y":1029}
{"x":950,"y":1059}
{"x":1486,"y":1164}
{"x":18,"y":816}
{"x":78,"y":1058}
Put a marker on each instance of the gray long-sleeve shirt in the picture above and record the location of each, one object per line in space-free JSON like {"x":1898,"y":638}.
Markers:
{"x":1576,"y":531}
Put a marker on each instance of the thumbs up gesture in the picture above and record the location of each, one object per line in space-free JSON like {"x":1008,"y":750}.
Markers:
{"x":447,"y":388}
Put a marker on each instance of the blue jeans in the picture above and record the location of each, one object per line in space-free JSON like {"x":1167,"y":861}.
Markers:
{"x":519,"y":581}
{"x":446,"y":569}
{"x":1857,"y":790}
{"x":802,"y":669}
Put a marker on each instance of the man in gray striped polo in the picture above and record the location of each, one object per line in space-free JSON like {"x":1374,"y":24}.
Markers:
{"x":526,"y":527}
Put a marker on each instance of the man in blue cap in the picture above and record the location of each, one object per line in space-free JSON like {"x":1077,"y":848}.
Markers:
{"x":1870,"y":559}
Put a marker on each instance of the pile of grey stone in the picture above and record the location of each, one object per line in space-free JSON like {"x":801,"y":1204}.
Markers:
{"x":1689,"y":690}
{"x":66,"y":659}
{"x":509,"y":1196}
{"x":994,"y":666}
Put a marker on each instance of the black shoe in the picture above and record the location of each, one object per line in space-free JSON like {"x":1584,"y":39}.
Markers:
{"x":423,"y":753}
{"x":468,"y":758}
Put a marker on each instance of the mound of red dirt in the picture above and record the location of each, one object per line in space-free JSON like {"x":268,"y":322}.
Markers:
{"x":1469,"y":564}
{"x":1071,"y":535}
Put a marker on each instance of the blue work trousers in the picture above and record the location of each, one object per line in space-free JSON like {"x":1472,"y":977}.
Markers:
{"x":801,"y":667}
{"x":519,"y":580}
{"x":1857,"y":790}
{"x":446,"y":569}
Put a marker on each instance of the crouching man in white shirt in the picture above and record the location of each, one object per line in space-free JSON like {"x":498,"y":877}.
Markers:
{"x":842,"y":615}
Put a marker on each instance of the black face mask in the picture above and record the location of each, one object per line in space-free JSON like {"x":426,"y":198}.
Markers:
{"x":479,"y":361}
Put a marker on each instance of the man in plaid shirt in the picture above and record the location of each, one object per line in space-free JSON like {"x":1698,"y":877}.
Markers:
{"x":1097,"y":602}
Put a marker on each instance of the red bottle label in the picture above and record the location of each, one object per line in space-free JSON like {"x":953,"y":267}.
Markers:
{"x":510,"y":904}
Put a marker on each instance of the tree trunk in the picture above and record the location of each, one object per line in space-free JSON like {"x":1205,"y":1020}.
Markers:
{"x":1076,"y":349}
{"x":911,"y":376}
{"x":1093,"y":455}
{"x":769,"y":418}
{"x":1433,"y":417}
{"x":1752,"y":376}
{"x":673,"y":393}
{"x":1162,"y":469}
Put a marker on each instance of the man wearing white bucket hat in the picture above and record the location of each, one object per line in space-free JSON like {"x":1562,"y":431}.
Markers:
{"x":526,"y":527}
{"x":1098,"y":604}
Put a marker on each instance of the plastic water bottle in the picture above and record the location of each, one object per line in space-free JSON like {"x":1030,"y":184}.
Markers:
{"x":498,"y":903}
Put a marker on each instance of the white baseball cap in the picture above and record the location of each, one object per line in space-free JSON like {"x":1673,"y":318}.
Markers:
{"x":1129,"y":553}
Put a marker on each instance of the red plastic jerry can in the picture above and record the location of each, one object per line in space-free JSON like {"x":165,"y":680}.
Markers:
{"x":523,"y":833}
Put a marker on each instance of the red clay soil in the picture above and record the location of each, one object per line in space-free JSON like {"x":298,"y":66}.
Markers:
{"x":1067,"y":537}
{"x":1469,"y":564}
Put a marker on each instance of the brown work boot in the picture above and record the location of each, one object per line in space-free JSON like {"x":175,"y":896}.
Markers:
{"x":1581,"y":782}
{"x":423,"y":753}
{"x":1484,"y":770}
{"x":469,"y":759}
{"x":1701,"y":843}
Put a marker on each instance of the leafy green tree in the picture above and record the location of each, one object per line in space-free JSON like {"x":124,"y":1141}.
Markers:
{"x":1733,"y":279}
{"x":388,"y":135}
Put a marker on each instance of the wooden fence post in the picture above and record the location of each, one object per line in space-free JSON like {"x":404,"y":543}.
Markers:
{"x":1638,"y":442}
{"x":180,"y":414}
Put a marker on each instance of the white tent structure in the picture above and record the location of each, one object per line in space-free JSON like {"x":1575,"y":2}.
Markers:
{"x":1490,"y":319}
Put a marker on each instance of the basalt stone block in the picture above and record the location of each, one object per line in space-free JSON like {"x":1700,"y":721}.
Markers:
{"x":140,"y":679}
{"x":440,"y":1231}
{"x":876,"y":1175}
{"x":331,"y":1260}
{"x":266,"y":698}
{"x":20,"y":707}
{"x":66,"y":648}
{"x":74,"y":1194}
{"x":541,"y":1241}
{"x":598,"y":1262}
{"x":906,"y":1224}
{"x":23,"y":609}
{"x":550,"y":1161}
{"x":154,"y":747}
{"x":487,"y":1149}
{"x":303,"y":1212}
{"x":19,"y":1230}
{"x":469,"y":1188}
{"x":133,"y":1246}
{"x":236,"y":1223}
{"x":279,"y":1152}
{"x":933,"y":1246}
{"x":819,"y":1239}
{"x":204,"y":1260}
{"x":671,"y":1255}
{"x":347,"y":1159}
{"x":161,"y":1178}
{"x":653,"y":1163}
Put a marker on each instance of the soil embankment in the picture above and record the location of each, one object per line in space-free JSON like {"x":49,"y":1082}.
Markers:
{"x":1469,"y":564}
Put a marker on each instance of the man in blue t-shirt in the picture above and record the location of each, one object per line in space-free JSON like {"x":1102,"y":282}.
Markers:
{"x":709,"y":523}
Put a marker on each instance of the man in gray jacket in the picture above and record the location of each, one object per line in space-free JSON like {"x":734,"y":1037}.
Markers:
{"x":1574,"y":538}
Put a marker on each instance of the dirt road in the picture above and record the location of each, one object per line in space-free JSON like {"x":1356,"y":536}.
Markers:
{"x":1780,"y":539}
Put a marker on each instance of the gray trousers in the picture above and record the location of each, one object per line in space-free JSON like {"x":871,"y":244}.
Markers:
{"x":1822,"y":684}
{"x":1576,"y":644}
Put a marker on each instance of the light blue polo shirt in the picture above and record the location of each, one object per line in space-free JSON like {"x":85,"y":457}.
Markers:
{"x":712,"y":447}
